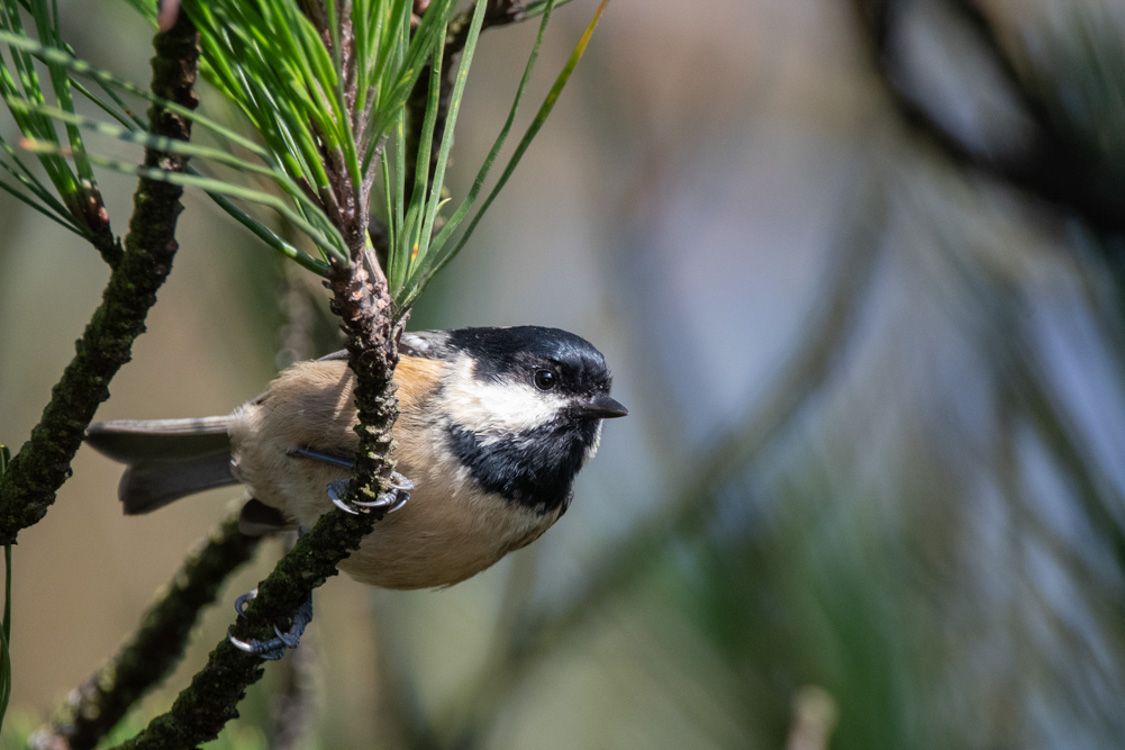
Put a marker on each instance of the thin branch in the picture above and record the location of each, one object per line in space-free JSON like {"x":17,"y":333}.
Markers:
{"x":363,"y":303}
{"x":157,"y":647}
{"x":90,"y":210}
{"x":43,"y":463}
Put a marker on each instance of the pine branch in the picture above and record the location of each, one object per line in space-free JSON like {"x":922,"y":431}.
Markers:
{"x":362,"y":301}
{"x":43,"y":463}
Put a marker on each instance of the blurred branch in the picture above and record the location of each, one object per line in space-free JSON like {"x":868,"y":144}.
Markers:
{"x":1095,"y":492}
{"x":291,"y":706}
{"x":1022,"y":401}
{"x":987,"y":35}
{"x":43,"y":463}
{"x":828,"y":331}
{"x":1008,"y":342}
{"x":1056,"y":169}
{"x":153,"y":652}
{"x":815,"y":713}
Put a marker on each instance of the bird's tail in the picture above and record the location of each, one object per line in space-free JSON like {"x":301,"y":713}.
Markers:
{"x":166,"y":459}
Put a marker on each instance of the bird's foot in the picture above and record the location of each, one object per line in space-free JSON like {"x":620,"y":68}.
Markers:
{"x":273,"y":648}
{"x":388,"y":502}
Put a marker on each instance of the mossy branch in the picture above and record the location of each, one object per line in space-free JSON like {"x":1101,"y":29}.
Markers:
{"x":43,"y":463}
{"x":362,"y":300}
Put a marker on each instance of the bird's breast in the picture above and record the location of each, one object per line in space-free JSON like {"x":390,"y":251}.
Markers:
{"x":440,"y":538}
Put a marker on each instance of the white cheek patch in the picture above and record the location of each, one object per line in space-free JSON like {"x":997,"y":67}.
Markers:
{"x":501,"y":407}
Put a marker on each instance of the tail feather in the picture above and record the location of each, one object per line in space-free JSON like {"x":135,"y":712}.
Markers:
{"x":167,"y":458}
{"x":130,"y":440}
{"x":148,"y":485}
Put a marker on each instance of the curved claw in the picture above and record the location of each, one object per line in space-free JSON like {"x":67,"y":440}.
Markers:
{"x":289,"y":639}
{"x":336,"y":492}
{"x":400,"y":482}
{"x":339,"y":503}
{"x":240,"y":602}
{"x":271,"y":650}
{"x":389,"y":502}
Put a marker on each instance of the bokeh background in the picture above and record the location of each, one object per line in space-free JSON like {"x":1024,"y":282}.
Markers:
{"x":858,"y":269}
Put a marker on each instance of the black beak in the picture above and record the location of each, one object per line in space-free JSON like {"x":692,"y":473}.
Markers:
{"x":601,"y":406}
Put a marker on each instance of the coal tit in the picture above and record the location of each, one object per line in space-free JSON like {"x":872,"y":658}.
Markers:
{"x":494,"y":425}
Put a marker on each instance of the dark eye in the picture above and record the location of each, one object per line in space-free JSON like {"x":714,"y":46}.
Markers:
{"x":545,"y":380}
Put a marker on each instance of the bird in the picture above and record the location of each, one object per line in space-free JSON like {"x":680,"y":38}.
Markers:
{"x":494,"y":425}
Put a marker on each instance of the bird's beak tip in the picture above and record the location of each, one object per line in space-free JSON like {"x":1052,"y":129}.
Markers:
{"x":604,"y":407}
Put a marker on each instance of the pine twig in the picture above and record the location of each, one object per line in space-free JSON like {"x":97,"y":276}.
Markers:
{"x":202,"y":709}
